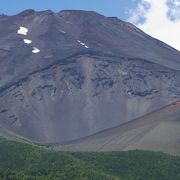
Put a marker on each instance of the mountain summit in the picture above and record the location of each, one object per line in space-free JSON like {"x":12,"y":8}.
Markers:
{"x":71,"y":74}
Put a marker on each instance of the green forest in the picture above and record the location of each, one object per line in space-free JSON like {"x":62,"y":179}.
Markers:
{"x":20,"y":161}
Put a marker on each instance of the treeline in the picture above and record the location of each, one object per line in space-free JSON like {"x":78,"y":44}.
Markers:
{"x":25,"y":162}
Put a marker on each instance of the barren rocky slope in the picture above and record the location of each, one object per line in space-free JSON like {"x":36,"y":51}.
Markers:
{"x":91,"y":73}
{"x":158,"y":131}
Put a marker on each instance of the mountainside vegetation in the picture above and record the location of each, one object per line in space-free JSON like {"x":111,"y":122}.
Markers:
{"x":23,"y":161}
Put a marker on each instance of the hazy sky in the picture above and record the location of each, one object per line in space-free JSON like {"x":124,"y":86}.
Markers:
{"x":159,"y":18}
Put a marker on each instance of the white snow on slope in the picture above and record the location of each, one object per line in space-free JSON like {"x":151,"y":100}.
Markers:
{"x":27,"y":41}
{"x":63,"y":31}
{"x":83,"y":44}
{"x":35,"y":50}
{"x":22,"y":30}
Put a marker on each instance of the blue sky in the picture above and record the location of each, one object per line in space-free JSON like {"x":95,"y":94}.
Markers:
{"x":117,"y":8}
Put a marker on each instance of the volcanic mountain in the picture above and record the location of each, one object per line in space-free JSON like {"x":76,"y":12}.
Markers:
{"x":71,"y":74}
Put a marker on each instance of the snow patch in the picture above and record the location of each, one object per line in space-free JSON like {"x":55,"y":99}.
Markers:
{"x":129,"y":93}
{"x":83,"y":44}
{"x":35,"y":50}
{"x":22,"y":31}
{"x":80,"y":42}
{"x":63,"y":31}
{"x":27,"y":41}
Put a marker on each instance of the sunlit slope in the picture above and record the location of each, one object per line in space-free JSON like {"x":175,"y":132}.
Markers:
{"x":159,"y":131}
